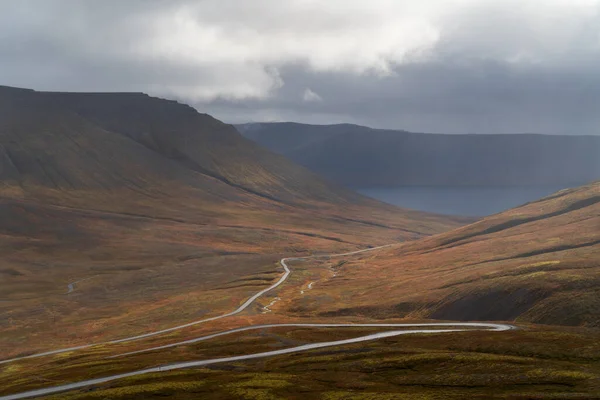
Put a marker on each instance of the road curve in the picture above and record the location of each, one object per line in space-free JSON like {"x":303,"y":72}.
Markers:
{"x":312,"y":346}
{"x":489,"y":326}
{"x":453,"y":327}
{"x":241,"y":308}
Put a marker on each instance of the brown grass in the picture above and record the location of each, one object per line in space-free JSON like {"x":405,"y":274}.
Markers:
{"x":537,"y":263}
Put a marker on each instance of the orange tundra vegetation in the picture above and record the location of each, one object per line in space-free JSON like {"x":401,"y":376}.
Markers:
{"x":536,"y":263}
{"x":122,"y":214}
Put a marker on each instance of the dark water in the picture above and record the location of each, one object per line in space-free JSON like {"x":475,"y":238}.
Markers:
{"x":466,"y":201}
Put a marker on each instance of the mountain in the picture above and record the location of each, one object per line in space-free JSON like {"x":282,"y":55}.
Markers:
{"x":86,"y":142}
{"x":154,"y":208}
{"x":533,"y":264}
{"x":358,"y":156}
{"x":80,"y":149}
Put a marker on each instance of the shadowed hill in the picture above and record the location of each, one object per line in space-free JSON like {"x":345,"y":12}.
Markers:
{"x":77,"y":143}
{"x":201,"y":144}
{"x":536,"y":263}
{"x":359,"y":156}
{"x":89,"y":140}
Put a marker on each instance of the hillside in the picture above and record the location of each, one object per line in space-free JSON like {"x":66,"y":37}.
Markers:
{"x":85,"y":141}
{"x":151,"y":209}
{"x":537,"y":263}
{"x":358,"y":156}
{"x":81,"y":149}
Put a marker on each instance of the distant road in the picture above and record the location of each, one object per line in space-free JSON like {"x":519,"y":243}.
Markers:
{"x":454,"y":327}
{"x":71,"y":286}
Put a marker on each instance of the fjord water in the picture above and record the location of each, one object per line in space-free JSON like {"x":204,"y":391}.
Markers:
{"x":455,"y":200}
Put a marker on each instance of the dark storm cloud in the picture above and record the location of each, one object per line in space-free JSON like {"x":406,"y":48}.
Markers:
{"x":445,"y":66}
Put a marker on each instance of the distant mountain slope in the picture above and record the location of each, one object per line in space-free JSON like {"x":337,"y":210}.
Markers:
{"x":536,"y":263}
{"x":359,"y":156}
{"x":286,"y":137}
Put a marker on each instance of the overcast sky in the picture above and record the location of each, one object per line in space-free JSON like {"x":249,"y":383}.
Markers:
{"x":431,"y":66}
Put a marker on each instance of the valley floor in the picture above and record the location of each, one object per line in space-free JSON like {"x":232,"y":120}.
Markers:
{"x":531,"y":362}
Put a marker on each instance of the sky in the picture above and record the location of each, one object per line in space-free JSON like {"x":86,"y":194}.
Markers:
{"x":451,"y":66}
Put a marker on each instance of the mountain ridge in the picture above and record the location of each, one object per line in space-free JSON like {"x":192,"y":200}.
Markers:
{"x":358,"y":156}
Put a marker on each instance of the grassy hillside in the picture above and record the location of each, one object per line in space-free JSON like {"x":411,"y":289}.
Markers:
{"x":361,"y":157}
{"x":537,"y":263}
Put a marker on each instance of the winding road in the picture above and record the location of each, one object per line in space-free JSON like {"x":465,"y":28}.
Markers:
{"x":488,"y":326}
{"x":450,"y":327}
{"x":306,"y":347}
{"x":241,"y":308}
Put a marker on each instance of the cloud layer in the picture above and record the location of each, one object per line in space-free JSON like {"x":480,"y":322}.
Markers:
{"x":447,"y":66}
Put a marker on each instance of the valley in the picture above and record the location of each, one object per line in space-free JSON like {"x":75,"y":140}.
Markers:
{"x":519,"y":356}
{"x":150,"y":251}
{"x":419,"y":328}
{"x":299,"y":200}
{"x":160,"y":225}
